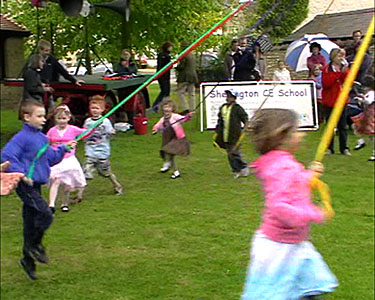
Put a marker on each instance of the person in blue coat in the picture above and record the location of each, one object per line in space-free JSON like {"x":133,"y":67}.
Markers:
{"x":28,"y":153}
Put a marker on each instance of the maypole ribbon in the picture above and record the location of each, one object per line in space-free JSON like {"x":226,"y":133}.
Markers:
{"x":315,"y":183}
{"x":168,"y":66}
{"x":341,"y":100}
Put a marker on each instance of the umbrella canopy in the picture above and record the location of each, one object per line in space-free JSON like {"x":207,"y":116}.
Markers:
{"x":298,"y":51}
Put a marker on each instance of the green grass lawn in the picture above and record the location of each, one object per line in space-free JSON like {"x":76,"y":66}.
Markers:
{"x":181,"y":239}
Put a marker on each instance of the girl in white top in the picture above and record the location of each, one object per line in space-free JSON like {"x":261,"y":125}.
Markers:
{"x":281,"y":73}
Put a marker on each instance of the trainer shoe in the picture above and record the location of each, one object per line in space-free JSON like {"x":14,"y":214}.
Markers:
{"x":119,"y":190}
{"x":176,"y":174}
{"x":165,"y":167}
{"x":329,"y":152}
{"x":347,"y":152}
{"x":372,"y":158}
{"x":38,"y":253}
{"x":29,"y":268}
{"x":64,"y":208}
{"x":360,"y":144}
{"x":245,"y":172}
{"x":52,"y":209}
{"x":236,"y":175}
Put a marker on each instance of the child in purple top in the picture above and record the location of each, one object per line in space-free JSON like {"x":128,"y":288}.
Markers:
{"x":284,"y":264}
{"x":28,"y":153}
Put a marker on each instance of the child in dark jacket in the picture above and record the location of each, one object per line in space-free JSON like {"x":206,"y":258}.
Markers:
{"x":228,"y":130}
{"x":29,"y":153}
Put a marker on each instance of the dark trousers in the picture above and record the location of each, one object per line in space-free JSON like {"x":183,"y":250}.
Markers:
{"x":235,"y":159}
{"x":165,"y":90}
{"x":37,"y":217}
{"x":341,"y":128}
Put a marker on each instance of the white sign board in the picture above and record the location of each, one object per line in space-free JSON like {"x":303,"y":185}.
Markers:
{"x":299,"y":96}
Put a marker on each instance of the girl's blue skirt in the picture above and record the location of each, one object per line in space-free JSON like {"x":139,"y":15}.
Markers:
{"x":281,"y":271}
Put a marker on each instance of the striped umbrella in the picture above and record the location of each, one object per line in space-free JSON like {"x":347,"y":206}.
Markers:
{"x":298,"y":51}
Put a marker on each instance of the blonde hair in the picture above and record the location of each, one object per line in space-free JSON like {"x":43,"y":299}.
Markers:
{"x":99,"y":100}
{"x":334,"y":52}
{"x":62,"y":109}
{"x":269,"y":128}
{"x":169,"y":102}
{"x":43,"y":44}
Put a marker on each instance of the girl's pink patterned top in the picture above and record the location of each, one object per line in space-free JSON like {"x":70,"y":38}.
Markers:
{"x":288,"y":208}
{"x":70,"y":134}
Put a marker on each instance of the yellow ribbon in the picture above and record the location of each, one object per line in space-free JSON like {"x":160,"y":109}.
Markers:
{"x":323,"y":190}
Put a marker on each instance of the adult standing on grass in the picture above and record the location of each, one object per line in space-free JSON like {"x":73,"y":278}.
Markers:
{"x":50,"y":73}
{"x":52,"y":69}
{"x":187,"y":78}
{"x":33,"y":88}
{"x":333,"y":77}
{"x":228,"y":129}
{"x":245,"y":63}
{"x":228,"y":60}
{"x":164,"y":57}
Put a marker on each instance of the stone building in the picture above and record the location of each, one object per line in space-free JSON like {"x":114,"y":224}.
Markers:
{"x":337,"y":26}
{"x":11,"y":59}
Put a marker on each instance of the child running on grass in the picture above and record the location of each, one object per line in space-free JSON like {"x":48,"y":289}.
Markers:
{"x":284,"y":264}
{"x":174,"y":141}
{"x":97,"y":148}
{"x":228,"y":130}
{"x":68,"y":172}
{"x":364,"y":123}
{"x":24,"y":152}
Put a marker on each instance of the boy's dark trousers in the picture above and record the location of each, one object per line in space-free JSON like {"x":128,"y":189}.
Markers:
{"x":37,"y":217}
{"x":235,"y":159}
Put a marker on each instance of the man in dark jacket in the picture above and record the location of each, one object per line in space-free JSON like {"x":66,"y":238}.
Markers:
{"x":229,"y":131}
{"x":52,"y":69}
{"x":245,"y":62}
{"x":164,"y":58}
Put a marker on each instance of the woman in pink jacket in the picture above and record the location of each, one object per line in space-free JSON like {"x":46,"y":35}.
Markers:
{"x":284,"y":264}
{"x":174,"y":140}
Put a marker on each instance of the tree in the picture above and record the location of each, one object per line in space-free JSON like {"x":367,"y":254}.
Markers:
{"x":151,"y":23}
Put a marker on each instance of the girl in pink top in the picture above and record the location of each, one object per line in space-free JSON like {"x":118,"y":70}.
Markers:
{"x":68,"y":172}
{"x":284,"y":264}
{"x":174,"y":140}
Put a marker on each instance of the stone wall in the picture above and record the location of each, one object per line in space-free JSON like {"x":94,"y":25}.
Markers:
{"x":14,"y":62}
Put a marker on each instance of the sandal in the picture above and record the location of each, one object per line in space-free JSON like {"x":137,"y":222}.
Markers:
{"x":176,"y":174}
{"x":64,"y":208}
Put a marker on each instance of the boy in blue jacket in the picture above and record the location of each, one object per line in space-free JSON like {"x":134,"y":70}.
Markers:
{"x":21,"y":151}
